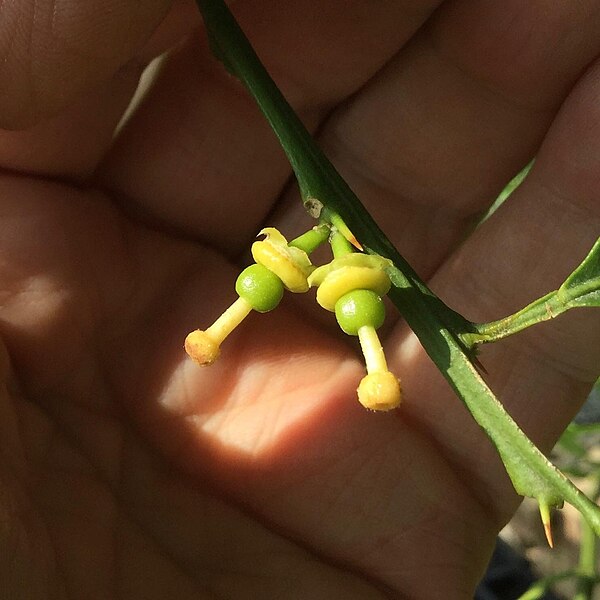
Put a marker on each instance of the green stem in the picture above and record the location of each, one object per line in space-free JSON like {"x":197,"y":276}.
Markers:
{"x":588,"y":551}
{"x":340,"y":246}
{"x":438,"y":328}
{"x":318,"y":180}
{"x":312,"y":239}
{"x":586,"y":571}
{"x":543,"y":309}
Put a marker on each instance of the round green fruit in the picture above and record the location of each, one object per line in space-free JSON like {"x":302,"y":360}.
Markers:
{"x":261,"y":288}
{"x":359,"y":308}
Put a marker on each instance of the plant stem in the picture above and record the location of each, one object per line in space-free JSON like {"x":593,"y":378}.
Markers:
{"x":312,"y":239}
{"x":588,"y":550}
{"x":581,"y":288}
{"x":586,"y":570}
{"x":543,"y":309}
{"x":340,"y":246}
{"x":241,"y":60}
{"x":317,"y":178}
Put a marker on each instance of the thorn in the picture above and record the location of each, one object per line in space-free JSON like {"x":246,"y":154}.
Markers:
{"x":345,"y":231}
{"x":350,"y":236}
{"x":545,"y":514}
{"x":355,"y":243}
{"x":548,"y":532}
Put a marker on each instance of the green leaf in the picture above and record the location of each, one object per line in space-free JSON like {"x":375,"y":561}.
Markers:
{"x":582,"y":287}
{"x":510,"y":187}
{"x":440,"y":330}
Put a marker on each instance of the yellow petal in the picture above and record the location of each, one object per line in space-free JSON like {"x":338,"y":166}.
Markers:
{"x":274,"y":236}
{"x":290,"y":264}
{"x":346,"y":279}
{"x":354,"y":259}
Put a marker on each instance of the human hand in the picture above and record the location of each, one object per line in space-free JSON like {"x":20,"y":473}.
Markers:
{"x":128,"y":471}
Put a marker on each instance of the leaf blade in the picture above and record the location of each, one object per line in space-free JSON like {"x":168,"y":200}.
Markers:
{"x":582,"y":287}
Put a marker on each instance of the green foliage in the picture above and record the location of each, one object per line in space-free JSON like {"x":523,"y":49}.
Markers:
{"x":582,"y":287}
{"x":512,"y":185}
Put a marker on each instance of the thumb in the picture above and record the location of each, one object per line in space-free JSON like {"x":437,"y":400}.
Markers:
{"x":54,"y":50}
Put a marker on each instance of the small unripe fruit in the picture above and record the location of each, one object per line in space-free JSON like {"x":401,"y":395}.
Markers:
{"x":359,"y":308}
{"x":261,"y":288}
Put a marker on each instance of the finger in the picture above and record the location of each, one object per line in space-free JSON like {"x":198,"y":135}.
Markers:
{"x":525,"y":250}
{"x":430,"y":142}
{"x":56,"y":51}
{"x":275,"y":424}
{"x":68,"y":146}
{"x":92,"y":307}
{"x":66,"y":137}
{"x":198,"y":150}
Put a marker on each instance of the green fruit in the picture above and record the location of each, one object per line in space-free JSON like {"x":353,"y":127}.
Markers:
{"x":261,"y":288}
{"x":359,"y":308}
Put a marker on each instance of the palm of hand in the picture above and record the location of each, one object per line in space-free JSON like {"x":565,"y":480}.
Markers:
{"x":99,"y":307}
{"x":126,"y":470}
